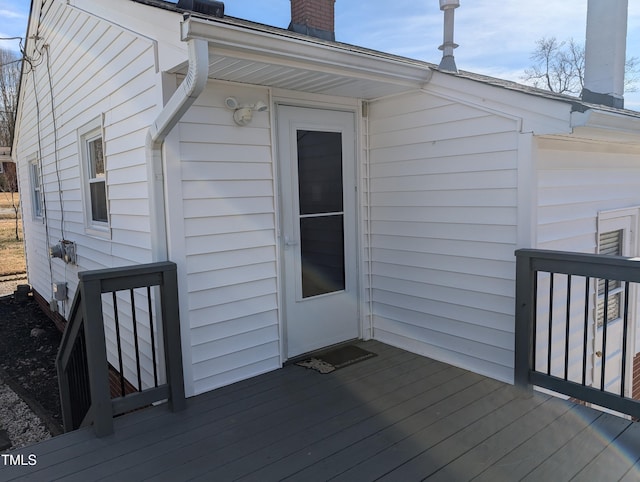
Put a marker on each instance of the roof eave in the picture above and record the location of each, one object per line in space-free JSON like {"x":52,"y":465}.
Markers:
{"x":289,"y":49}
{"x":604,"y":125}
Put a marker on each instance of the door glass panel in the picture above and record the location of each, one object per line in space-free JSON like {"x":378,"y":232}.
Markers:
{"x":321,"y":212}
{"x":322,"y":252}
{"x":320,"y":172}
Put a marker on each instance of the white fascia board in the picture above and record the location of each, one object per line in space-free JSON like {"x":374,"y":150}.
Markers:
{"x":297,"y":52}
{"x":607,"y":126}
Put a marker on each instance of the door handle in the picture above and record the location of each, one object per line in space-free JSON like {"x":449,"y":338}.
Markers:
{"x":289,"y":242}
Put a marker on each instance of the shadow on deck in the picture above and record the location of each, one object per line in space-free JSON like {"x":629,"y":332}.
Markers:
{"x":398,"y":416}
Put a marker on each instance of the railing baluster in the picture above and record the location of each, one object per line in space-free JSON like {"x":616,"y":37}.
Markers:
{"x":603,"y":319}
{"x":567,"y":331}
{"x":550,"y":324}
{"x":153,"y":342}
{"x":586,"y":330}
{"x":605,"y":322}
{"x":625,"y":328}
{"x":534,"y":322}
{"x":135,"y":337}
{"x":82,"y":364}
{"x":119,"y":343}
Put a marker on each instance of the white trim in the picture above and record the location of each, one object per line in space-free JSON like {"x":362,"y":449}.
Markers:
{"x":90,"y":132}
{"x":527,"y":219}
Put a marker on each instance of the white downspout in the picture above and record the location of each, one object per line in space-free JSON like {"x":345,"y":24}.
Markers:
{"x":181,"y":100}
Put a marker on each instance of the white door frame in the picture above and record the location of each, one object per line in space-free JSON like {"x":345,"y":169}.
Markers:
{"x":288,"y":238}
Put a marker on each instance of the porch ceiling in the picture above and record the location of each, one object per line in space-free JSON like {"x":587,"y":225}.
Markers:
{"x":281,"y":59}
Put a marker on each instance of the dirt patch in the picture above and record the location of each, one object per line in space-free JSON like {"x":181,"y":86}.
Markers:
{"x":28,"y":346}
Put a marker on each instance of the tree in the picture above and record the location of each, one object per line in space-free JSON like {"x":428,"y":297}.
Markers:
{"x":9,"y":82}
{"x":9,"y":188}
{"x":559,"y":67}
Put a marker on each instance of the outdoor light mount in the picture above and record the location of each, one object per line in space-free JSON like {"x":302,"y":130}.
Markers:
{"x":243,"y":113}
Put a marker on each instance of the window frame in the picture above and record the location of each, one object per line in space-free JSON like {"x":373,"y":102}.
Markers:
{"x":36,"y":191}
{"x":88,"y":134}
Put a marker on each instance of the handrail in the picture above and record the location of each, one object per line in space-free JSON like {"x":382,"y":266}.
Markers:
{"x":82,"y":363}
{"x":579,"y":317}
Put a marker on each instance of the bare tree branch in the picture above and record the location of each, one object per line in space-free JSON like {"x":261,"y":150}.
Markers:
{"x":559,"y":67}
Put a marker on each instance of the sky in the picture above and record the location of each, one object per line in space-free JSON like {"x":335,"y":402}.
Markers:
{"x":496,"y":37}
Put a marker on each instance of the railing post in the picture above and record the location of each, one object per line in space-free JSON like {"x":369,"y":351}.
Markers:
{"x":172,"y":345}
{"x":101,"y":410}
{"x":525,"y":313}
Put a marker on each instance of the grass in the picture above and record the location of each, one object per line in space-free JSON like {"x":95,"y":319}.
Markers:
{"x":11,"y":251}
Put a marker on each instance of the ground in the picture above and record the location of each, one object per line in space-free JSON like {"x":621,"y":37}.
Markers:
{"x":28,"y":348}
{"x":11,"y":250}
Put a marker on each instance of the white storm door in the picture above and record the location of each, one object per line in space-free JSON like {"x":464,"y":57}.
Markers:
{"x":318,"y":227}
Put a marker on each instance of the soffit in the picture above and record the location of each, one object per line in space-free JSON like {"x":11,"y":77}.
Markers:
{"x":290,"y":61}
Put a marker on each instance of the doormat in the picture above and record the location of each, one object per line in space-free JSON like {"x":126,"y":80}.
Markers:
{"x":336,"y":359}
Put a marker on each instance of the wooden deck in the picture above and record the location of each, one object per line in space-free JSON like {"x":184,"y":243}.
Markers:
{"x":397,"y":416}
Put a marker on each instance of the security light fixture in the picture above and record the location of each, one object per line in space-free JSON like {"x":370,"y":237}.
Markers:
{"x":243,"y":113}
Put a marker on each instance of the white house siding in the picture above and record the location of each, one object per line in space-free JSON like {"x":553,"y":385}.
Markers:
{"x":227,"y":215}
{"x":443,"y":230}
{"x":576,"y":180}
{"x":97,"y":70}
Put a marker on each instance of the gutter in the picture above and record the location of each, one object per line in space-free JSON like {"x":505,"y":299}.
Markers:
{"x":181,"y":100}
{"x":604,"y":125}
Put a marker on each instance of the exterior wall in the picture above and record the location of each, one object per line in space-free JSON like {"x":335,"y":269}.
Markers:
{"x":576,"y":180}
{"x":223,"y":225}
{"x":443,"y":230}
{"x":93,"y":70}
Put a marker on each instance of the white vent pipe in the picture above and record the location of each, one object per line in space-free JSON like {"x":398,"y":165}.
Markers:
{"x":448,"y":63}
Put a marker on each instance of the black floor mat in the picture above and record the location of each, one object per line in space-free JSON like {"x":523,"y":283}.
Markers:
{"x":335,"y":359}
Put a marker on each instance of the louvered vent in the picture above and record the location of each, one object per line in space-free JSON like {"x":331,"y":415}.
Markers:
{"x":610,"y":245}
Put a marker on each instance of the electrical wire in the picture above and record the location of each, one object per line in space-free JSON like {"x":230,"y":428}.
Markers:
{"x":12,"y":62}
{"x":42,"y":188}
{"x":55,"y":142}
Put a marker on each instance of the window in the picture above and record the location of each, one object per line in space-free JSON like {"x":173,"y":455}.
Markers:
{"x":95,"y":181}
{"x":37,"y":201}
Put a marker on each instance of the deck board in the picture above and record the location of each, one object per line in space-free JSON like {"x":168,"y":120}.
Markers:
{"x":580,"y":450}
{"x":397,"y":416}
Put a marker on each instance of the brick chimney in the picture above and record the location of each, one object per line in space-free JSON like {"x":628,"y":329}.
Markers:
{"x":605,"y":50}
{"x":313,"y":17}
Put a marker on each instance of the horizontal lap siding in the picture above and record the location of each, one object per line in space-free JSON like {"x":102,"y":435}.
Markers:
{"x":97,"y":70}
{"x":575,"y":181}
{"x":230,"y":247}
{"x":443,"y":230}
